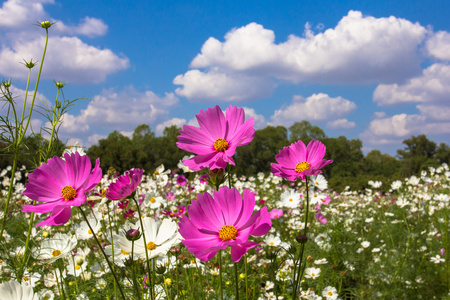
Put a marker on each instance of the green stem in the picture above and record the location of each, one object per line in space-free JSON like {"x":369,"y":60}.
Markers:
{"x":35,"y":89}
{"x":103,"y":252}
{"x":61,"y":292}
{"x":305,"y":231}
{"x":10,"y":190}
{"x":149,"y":276}
{"x":220,"y":275}
{"x":54,"y":118}
{"x":246,"y":277}
{"x":112,"y":248}
{"x":133,"y":271}
{"x":237,"y":281}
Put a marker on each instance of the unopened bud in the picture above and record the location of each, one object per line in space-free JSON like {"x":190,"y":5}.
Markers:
{"x":132,"y":234}
{"x":168,"y":281}
{"x":161,"y":270}
{"x":45,"y":234}
{"x":59,"y":85}
{"x":7,"y":84}
{"x":301,"y":238}
{"x":46,"y":24}
{"x":79,"y":261}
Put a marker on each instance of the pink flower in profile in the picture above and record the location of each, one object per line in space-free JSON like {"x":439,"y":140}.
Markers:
{"x":216,"y":140}
{"x":298,"y":161}
{"x":224,"y":220}
{"x":61,"y":184}
{"x":125,"y":185}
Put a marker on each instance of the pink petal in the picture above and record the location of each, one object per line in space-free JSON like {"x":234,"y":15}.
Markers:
{"x":212,"y":121}
{"x":59,"y":216}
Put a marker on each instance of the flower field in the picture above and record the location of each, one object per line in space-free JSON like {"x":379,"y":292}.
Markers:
{"x":366,"y":244}
{"x":71,"y":231}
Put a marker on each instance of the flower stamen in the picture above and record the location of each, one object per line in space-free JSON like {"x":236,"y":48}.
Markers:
{"x":228,"y":232}
{"x":302,"y":166}
{"x":151,"y":246}
{"x":56,"y":253}
{"x":220,"y":145}
{"x":68,"y":193}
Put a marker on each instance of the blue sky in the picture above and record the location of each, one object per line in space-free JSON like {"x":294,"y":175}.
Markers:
{"x":374,"y":70}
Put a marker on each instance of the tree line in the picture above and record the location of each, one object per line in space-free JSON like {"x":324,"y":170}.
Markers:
{"x":350,"y":167}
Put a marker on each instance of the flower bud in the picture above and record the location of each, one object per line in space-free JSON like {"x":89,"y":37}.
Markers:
{"x":79,"y":261}
{"x":132,"y":234}
{"x":168,"y":281}
{"x":217,"y":176}
{"x":160,"y":270}
{"x":7,"y":84}
{"x":46,"y":24}
{"x":59,"y":85}
{"x":301,"y":238}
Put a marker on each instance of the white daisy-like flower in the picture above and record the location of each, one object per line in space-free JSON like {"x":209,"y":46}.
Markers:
{"x":365,"y":244}
{"x":442,"y":197}
{"x":60,"y":245}
{"x":272,"y":240}
{"x":74,"y":148}
{"x":319,"y":182}
{"x":290,"y":199}
{"x":45,"y":294}
{"x":402,"y":202}
{"x":182,"y":166}
{"x":159,"y":236}
{"x":437,"y":259}
{"x":330,"y":293}
{"x":122,"y":249}
{"x":396,"y":185}
{"x":84,"y":232}
{"x":312,"y":273}
{"x":12,"y":290}
{"x":321,"y":261}
{"x":316,"y":197}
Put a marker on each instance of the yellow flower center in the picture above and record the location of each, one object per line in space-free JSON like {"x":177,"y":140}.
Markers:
{"x":271,"y":243}
{"x":125,"y":252}
{"x":312,"y":274}
{"x":152,"y":200}
{"x":227,"y":232}
{"x":302,"y":166}
{"x":90,"y":231}
{"x":220,"y":145}
{"x":68,"y":193}
{"x":56,"y":253}
{"x":26,"y":278}
{"x":330,"y":294}
{"x":151,"y":246}
{"x":290,"y":200}
{"x":77,"y":267}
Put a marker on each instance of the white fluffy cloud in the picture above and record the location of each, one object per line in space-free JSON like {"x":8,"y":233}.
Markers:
{"x":317,"y":107}
{"x":260,"y":120}
{"x":348,"y":53}
{"x":438,"y":45}
{"x":217,"y":86}
{"x":122,"y":110}
{"x":174,"y":121}
{"x":341,"y":123}
{"x":68,"y":58}
{"x":393,"y":130}
{"x":433,"y":86}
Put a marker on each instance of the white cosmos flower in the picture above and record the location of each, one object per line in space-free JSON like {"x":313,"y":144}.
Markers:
{"x":60,"y":245}
{"x":365,"y":244}
{"x":437,"y":259}
{"x":330,"y":293}
{"x":321,"y":261}
{"x":12,"y":290}
{"x":290,"y":199}
{"x":272,"y":240}
{"x":319,"y":182}
{"x":84,"y":232}
{"x":122,"y":249}
{"x":312,"y":273}
{"x":396,"y":185}
{"x":159,"y":236}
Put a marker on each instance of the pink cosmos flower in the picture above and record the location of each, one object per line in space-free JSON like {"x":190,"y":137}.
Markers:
{"x":298,"y":161}
{"x":216,"y":140}
{"x":125,"y":185}
{"x":224,"y":220}
{"x":61,"y":184}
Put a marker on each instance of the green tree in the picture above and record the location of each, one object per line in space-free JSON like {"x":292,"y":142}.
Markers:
{"x":418,"y":154}
{"x":306,"y":132}
{"x":257,"y":156}
{"x":443,"y":153}
{"x":115,"y":151}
